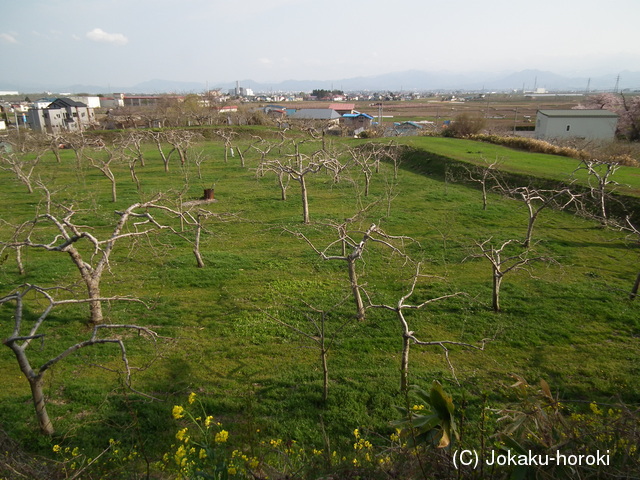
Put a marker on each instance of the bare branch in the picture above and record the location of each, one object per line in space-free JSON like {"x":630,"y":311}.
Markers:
{"x":19,"y":344}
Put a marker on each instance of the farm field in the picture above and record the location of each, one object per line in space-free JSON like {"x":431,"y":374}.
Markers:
{"x":502,"y":112}
{"x":567,"y":320}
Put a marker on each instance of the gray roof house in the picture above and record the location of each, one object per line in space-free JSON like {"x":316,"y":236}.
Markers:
{"x":589,"y":124}
{"x":315,"y":114}
{"x":61,"y":115}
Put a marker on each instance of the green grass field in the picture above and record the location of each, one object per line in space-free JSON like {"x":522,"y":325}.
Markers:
{"x":569,"y":322}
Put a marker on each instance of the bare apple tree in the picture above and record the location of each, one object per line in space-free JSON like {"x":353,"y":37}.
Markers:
{"x":537,"y":200}
{"x":601,"y":184}
{"x":193,"y":219}
{"x":298,"y":166}
{"x":66,"y":235}
{"x":323,"y":329}
{"x":484,"y":175}
{"x":22,"y":167}
{"x":25,"y":332}
{"x":633,"y":234}
{"x":352,"y":246}
{"x":408,"y":335}
{"x":503,"y":263}
{"x":266,"y":166}
{"x":103,"y":159}
{"x":181,"y":141}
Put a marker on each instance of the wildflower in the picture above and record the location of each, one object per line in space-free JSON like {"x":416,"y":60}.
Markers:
{"x":232,"y":470}
{"x":56,"y":448}
{"x":177,"y":412}
{"x":192,"y":397}
{"x":221,"y":436}
{"x":208,"y":421}
{"x":203,"y":454}
{"x":356,"y":433}
{"x":182,"y":434}
{"x":253,"y":464}
{"x":75,"y":452}
{"x":180,"y":455}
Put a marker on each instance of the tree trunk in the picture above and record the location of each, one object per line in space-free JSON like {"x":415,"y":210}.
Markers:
{"x":21,"y":269}
{"x":353,"y":278}
{"x":283,"y":185}
{"x":527,"y":240}
{"x":603,"y":204}
{"x":114,"y":192}
{"x":95,"y":306}
{"x":36,"y":383}
{"x":634,"y":290}
{"x":196,"y":246}
{"x":325,"y":373}
{"x":305,"y":201}
{"x":484,"y":195}
{"x":497,"y":281}
{"x":404,"y":367}
{"x":37,"y":393}
{"x":91,"y":279}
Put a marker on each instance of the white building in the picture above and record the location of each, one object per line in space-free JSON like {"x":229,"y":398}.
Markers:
{"x":89,"y":101}
{"x":590,"y":124}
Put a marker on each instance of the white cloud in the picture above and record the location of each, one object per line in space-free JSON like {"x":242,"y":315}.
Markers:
{"x":6,"y":37}
{"x":99,"y":35}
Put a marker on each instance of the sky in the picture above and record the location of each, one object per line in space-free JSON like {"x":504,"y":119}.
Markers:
{"x":125,"y":42}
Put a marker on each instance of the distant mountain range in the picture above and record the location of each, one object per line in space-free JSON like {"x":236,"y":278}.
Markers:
{"x":410,"y":80}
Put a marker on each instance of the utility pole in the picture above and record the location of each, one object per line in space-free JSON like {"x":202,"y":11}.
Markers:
{"x":15,"y":113}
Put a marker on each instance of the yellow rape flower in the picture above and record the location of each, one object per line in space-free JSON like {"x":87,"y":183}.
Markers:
{"x":56,"y":448}
{"x":177,"y":412}
{"x":182,"y":435}
{"x":221,"y":436}
{"x":192,"y":397}
{"x":180,"y":455}
{"x":232,"y":470}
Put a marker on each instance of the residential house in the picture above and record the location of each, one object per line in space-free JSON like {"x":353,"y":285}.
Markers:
{"x":357,"y":122}
{"x":61,"y":115}
{"x":116,"y":101}
{"x":315,"y":114}
{"x":589,"y":124}
{"x":406,"y":129}
{"x":343,"y":108}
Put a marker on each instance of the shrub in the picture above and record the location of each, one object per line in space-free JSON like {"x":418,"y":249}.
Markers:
{"x":465,"y":125}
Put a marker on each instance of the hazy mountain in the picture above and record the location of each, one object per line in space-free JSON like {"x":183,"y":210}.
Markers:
{"x":410,"y":80}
